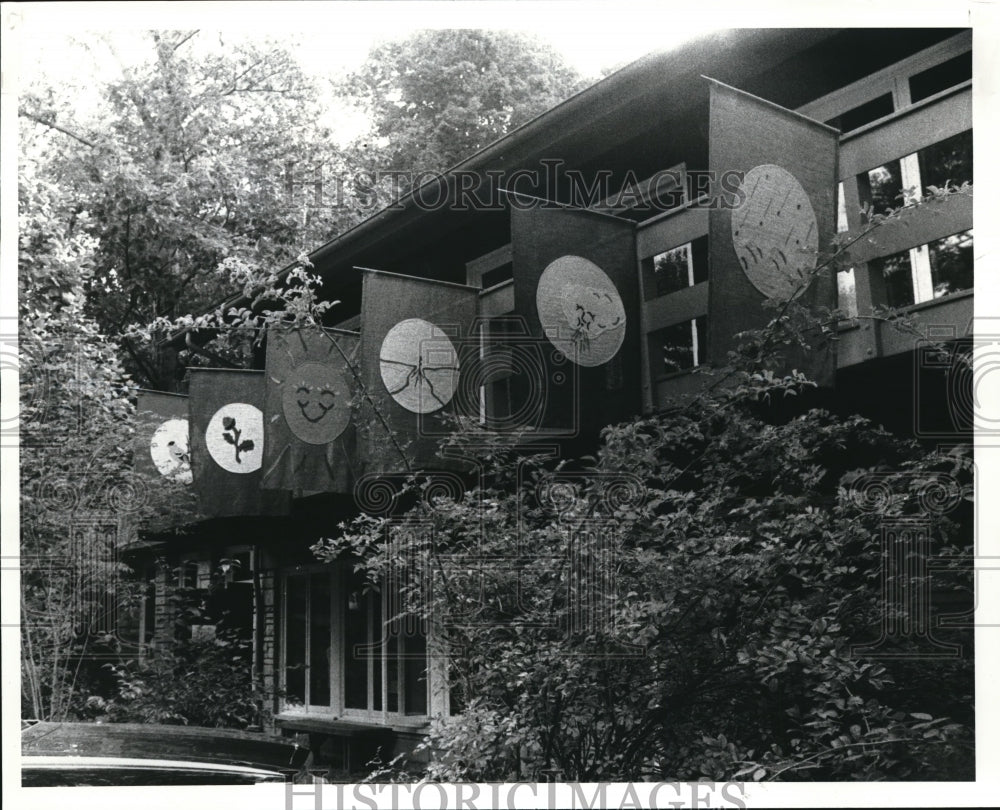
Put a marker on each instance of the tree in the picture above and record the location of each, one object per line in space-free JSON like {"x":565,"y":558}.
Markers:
{"x":77,"y":497}
{"x":440,"y":96}
{"x":191,"y":159}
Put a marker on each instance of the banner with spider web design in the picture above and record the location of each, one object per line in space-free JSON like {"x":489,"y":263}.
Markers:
{"x":308,"y":413}
{"x":416,"y":335}
{"x":227,"y":443}
{"x":162,"y":458}
{"x":576,"y":289}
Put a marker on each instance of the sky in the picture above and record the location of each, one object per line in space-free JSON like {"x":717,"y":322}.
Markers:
{"x":338,"y":35}
{"x":69,"y":44}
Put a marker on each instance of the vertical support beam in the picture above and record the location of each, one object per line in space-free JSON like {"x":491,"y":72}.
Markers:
{"x":337,"y":644}
{"x":645,"y":371}
{"x":869,"y":285}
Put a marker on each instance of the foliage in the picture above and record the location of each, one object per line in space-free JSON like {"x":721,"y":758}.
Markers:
{"x":197,"y":672}
{"x":191,"y":159}
{"x":197,"y":682}
{"x":744,"y":572}
{"x":75,"y":427}
{"x":439,"y":96}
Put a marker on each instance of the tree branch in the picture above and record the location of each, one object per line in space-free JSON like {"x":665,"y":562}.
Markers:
{"x":53,"y":125}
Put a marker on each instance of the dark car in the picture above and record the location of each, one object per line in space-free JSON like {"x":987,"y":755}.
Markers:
{"x":75,"y":754}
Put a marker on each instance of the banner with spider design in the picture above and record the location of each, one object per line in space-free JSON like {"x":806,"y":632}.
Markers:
{"x":227,"y":443}
{"x":576,"y":289}
{"x":308,"y":413}
{"x":416,"y":335}
{"x":162,"y":458}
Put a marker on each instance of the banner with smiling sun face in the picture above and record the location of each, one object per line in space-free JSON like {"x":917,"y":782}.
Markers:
{"x":308,"y":410}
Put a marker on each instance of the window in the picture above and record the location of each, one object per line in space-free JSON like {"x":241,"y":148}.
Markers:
{"x":847,"y":295}
{"x":927,"y":271}
{"x":680,"y":267}
{"x":948,"y":161}
{"x":384,"y":662}
{"x":863,"y":114}
{"x":677,"y":348}
{"x":940,"y":77}
{"x":886,"y":186}
{"x":897,"y":271}
{"x":951,"y":263}
{"x":340,"y":654}
{"x":498,"y":275}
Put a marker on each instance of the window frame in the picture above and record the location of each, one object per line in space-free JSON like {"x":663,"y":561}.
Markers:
{"x":435,"y":673}
{"x":894,"y":80}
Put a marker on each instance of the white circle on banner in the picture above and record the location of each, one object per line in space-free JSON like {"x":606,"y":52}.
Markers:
{"x":168,"y":448}
{"x":580,"y":310}
{"x":235,"y":437}
{"x":774,"y":232}
{"x":419,"y":365}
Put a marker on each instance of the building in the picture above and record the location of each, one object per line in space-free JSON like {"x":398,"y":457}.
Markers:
{"x":637,"y":145}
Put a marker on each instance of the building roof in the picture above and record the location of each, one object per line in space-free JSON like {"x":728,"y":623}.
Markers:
{"x":645,"y":117}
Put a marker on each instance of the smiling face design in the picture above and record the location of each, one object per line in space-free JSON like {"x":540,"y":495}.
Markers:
{"x":316,"y":402}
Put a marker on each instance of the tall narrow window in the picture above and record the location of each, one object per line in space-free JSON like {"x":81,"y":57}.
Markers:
{"x":296,"y":597}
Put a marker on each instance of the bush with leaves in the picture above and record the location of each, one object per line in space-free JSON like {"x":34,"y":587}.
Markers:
{"x":197,"y":682}
{"x":741,"y":581}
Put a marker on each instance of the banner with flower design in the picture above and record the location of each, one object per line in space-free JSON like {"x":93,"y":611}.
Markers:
{"x":227,"y":443}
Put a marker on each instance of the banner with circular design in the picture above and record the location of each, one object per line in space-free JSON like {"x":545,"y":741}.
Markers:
{"x":416,"y":337}
{"x":576,"y":286}
{"x":162,"y":458}
{"x":168,"y":448}
{"x":228,"y":443}
{"x":766,"y":233}
{"x":309,"y":410}
{"x":419,"y":365}
{"x":581,"y":311}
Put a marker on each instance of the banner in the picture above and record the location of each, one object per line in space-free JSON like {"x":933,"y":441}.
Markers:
{"x":227,"y":443}
{"x":766,"y":238}
{"x":162,"y":457}
{"x":576,"y":288}
{"x":310,"y":390}
{"x":416,"y":334}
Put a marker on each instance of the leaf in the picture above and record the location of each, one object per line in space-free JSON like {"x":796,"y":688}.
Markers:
{"x":228,"y":437}
{"x":245,"y":445}
{"x":920,"y":716}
